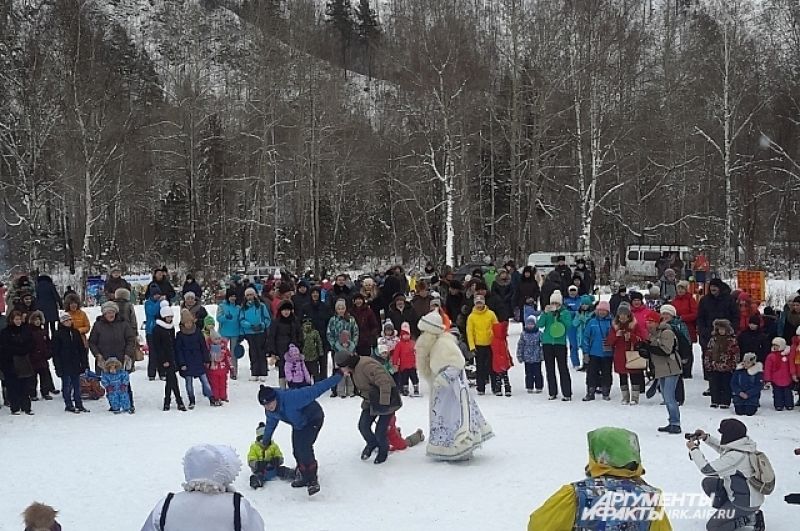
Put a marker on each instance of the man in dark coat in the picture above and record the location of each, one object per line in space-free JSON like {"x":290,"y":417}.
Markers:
{"x":552,"y":282}
{"x":161,"y":280}
{"x":564,"y":274}
{"x":718,"y":304}
{"x":501,"y":299}
{"x":341,"y":290}
{"x":319,"y":313}
{"x":618,"y":298}
{"x":528,"y":288}
{"x":191,"y":285}
{"x":587,"y":277}
{"x":48,"y":301}
{"x":301,"y":297}
{"x":113,"y":283}
{"x":400,"y":311}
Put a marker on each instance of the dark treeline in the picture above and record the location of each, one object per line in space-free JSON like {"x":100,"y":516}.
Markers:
{"x":281,"y":132}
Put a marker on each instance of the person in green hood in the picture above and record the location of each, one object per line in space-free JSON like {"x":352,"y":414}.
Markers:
{"x":614,"y":468}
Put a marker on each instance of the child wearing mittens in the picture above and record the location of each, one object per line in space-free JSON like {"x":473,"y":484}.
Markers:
{"x":295,"y":369}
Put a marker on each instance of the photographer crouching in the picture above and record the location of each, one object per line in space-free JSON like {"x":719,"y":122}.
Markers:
{"x":736,"y":481}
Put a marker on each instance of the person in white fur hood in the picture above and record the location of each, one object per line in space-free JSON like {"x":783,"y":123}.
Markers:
{"x":457,"y":426}
{"x":208,"y":500}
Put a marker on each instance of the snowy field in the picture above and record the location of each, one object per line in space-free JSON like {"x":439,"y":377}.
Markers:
{"x":97,"y":468}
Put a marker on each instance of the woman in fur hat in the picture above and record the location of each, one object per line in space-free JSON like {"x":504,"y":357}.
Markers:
{"x":40,"y":517}
{"x":457,"y":426}
{"x":208,"y":500}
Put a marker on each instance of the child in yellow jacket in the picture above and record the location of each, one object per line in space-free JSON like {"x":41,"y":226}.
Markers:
{"x":266,"y":462}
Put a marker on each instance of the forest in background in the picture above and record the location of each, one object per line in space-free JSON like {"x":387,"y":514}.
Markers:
{"x":215,"y":133}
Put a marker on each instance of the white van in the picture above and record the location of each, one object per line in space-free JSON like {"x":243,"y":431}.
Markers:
{"x":544,"y":262}
{"x":640,"y":260}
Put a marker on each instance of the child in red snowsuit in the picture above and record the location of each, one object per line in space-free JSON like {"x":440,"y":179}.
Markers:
{"x":404,"y":359}
{"x":501,"y":358}
{"x":779,"y":371}
{"x":220,"y":365}
{"x":396,"y":441}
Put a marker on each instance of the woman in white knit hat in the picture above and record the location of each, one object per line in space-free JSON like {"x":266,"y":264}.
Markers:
{"x":457,"y":426}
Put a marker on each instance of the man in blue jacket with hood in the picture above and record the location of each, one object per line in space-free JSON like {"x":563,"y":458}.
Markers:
{"x":299,"y":408}
{"x":152,"y":312}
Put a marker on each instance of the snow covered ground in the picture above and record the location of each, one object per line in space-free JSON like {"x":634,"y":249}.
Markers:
{"x":90,"y":466}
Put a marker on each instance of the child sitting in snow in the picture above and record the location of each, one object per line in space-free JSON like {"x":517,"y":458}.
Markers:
{"x":501,"y":358}
{"x":345,"y":387}
{"x":404,"y":361}
{"x":220,"y":364}
{"x":297,"y":374}
{"x":396,"y":440}
{"x":746,"y":385}
{"x":266,"y":462}
{"x":116,"y":382}
{"x":529,"y":352}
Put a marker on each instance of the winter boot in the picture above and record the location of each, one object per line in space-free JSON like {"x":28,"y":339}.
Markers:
{"x":367,"y":452}
{"x":508,"y":390}
{"x":383,"y":454}
{"x":166,"y":405}
{"x":405,"y":390}
{"x":415,"y":438}
{"x":606,"y":393}
{"x":634,"y":396}
{"x":181,"y":407}
{"x":282,"y":383}
{"x":589,"y":394}
{"x":191,"y":403}
{"x":626,"y":395}
{"x":299,"y":477}
{"x":416,"y":390}
{"x":256,"y":482}
{"x":311,"y":479}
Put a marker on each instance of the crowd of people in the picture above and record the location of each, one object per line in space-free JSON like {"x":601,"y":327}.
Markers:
{"x":374,"y":336}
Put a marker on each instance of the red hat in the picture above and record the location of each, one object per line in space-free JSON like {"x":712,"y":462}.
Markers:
{"x":652,"y":317}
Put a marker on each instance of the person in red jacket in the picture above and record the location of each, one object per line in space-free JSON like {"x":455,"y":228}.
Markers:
{"x":686,"y":306}
{"x":501,"y":357}
{"x":747,"y":309}
{"x":640,"y":312}
{"x":404,"y":360}
{"x":396,"y":440}
{"x":780,"y":373}
{"x":622,"y":338}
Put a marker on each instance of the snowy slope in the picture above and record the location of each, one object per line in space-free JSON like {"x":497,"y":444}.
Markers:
{"x":77,"y":462}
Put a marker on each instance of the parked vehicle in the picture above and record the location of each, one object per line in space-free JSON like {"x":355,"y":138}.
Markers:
{"x":545,"y":261}
{"x":640,"y":260}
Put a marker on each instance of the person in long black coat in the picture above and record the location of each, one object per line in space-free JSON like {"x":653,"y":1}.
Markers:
{"x":48,"y":301}
{"x":502,"y":296}
{"x":71,"y":358}
{"x":161,"y":280}
{"x":528,"y":288}
{"x":320,"y":314}
{"x":618,"y":298}
{"x":15,"y":343}
{"x":191,"y":285}
{"x":552,"y":282}
{"x":282,"y":332}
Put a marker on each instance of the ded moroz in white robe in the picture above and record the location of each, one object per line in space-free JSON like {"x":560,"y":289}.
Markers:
{"x":457,"y":426}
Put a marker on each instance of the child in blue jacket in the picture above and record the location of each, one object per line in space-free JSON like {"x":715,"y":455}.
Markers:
{"x":746,"y":385}
{"x":298,"y":408}
{"x":601,"y":357}
{"x":529,"y":352}
{"x":116,"y":382}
